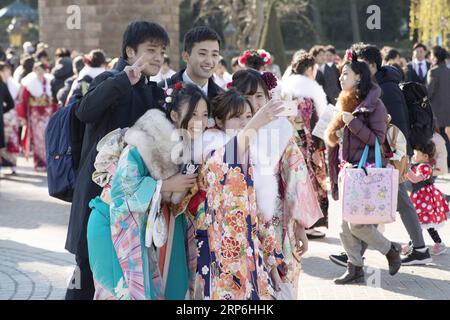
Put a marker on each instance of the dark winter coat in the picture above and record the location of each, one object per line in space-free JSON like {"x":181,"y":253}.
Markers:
{"x":62,"y":71}
{"x":388,"y":79}
{"x":110,"y":103}
{"x":439,"y":93}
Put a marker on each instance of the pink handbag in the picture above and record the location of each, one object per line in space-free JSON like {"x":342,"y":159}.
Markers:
{"x":369,"y":195}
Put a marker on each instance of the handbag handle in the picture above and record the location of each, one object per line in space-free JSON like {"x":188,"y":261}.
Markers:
{"x":365,"y":155}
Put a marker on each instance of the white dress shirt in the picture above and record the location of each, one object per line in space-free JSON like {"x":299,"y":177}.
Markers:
{"x":423,"y":66}
{"x":189,"y":80}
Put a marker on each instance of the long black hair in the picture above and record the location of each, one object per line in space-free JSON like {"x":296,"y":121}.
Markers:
{"x":183,"y":93}
{"x":27,"y":63}
{"x":362,"y":69}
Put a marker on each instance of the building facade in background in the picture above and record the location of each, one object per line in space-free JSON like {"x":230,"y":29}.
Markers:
{"x":102,"y":23}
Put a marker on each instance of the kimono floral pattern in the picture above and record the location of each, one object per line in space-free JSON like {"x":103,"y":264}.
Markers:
{"x":297,"y":204}
{"x":11,"y":152}
{"x":313,"y":150}
{"x":131,"y":193}
{"x":236,"y":248}
{"x":37,"y":113}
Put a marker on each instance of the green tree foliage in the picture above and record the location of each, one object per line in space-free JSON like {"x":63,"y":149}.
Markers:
{"x":430,"y":19}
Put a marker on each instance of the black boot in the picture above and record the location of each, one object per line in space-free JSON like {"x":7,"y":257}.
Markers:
{"x":394,"y":260}
{"x":353,"y":274}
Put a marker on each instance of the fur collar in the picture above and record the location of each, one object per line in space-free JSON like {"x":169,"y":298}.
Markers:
{"x":346,"y":102}
{"x":36,"y":88}
{"x":299,"y":86}
{"x":266,"y":151}
{"x":155,"y":138}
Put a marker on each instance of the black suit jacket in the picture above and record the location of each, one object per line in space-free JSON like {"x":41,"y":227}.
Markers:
{"x":412,"y":76}
{"x":213,"y":88}
{"x":111,"y":103}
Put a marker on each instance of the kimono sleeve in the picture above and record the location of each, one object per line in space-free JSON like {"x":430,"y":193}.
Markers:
{"x":23,"y":104}
{"x":271,"y":246}
{"x":132,"y":188}
{"x":299,"y":198}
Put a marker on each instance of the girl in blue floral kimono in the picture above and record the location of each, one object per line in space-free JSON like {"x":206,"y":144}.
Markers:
{"x":145,"y":255}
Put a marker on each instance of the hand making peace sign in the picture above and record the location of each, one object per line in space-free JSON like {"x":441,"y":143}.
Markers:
{"x":134,"y":72}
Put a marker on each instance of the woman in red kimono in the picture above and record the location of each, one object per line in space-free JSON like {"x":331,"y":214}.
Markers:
{"x":34,"y":109}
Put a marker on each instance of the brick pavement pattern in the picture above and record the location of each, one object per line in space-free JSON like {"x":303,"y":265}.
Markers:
{"x":34,"y":264}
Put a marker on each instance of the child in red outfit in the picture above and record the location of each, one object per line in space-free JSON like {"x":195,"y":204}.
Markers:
{"x":430,"y":203}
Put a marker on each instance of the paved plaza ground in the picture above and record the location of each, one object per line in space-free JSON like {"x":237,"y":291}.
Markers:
{"x":34,"y":264}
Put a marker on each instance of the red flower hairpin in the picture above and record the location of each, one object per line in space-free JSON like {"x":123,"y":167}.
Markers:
{"x":244,"y":58}
{"x":229,"y":85}
{"x":348,"y":55}
{"x":179,"y":85}
{"x":265,"y":56}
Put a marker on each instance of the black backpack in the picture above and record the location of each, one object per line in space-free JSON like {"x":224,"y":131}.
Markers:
{"x":421,"y":116}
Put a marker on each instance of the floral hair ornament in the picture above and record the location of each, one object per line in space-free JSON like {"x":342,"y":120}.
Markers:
{"x":266,"y":56}
{"x":179,"y":85}
{"x":263,"y":54}
{"x":244,"y":58}
{"x":351,"y":56}
{"x":169,"y":92}
{"x":229,"y":85}
{"x":348,"y":55}
{"x":270,"y":80}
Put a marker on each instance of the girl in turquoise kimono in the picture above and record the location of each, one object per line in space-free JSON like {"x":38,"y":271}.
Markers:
{"x":136,"y":240}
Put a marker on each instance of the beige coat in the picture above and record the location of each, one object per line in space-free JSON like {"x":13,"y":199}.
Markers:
{"x":441,"y":155}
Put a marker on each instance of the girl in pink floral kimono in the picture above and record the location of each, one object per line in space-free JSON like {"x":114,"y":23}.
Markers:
{"x":293,"y":205}
{"x":238,"y":252}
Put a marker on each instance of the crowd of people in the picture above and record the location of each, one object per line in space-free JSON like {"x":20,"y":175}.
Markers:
{"x":202,"y":184}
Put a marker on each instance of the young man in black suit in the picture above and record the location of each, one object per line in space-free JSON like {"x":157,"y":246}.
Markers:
{"x":418,"y":68}
{"x":201,"y":52}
